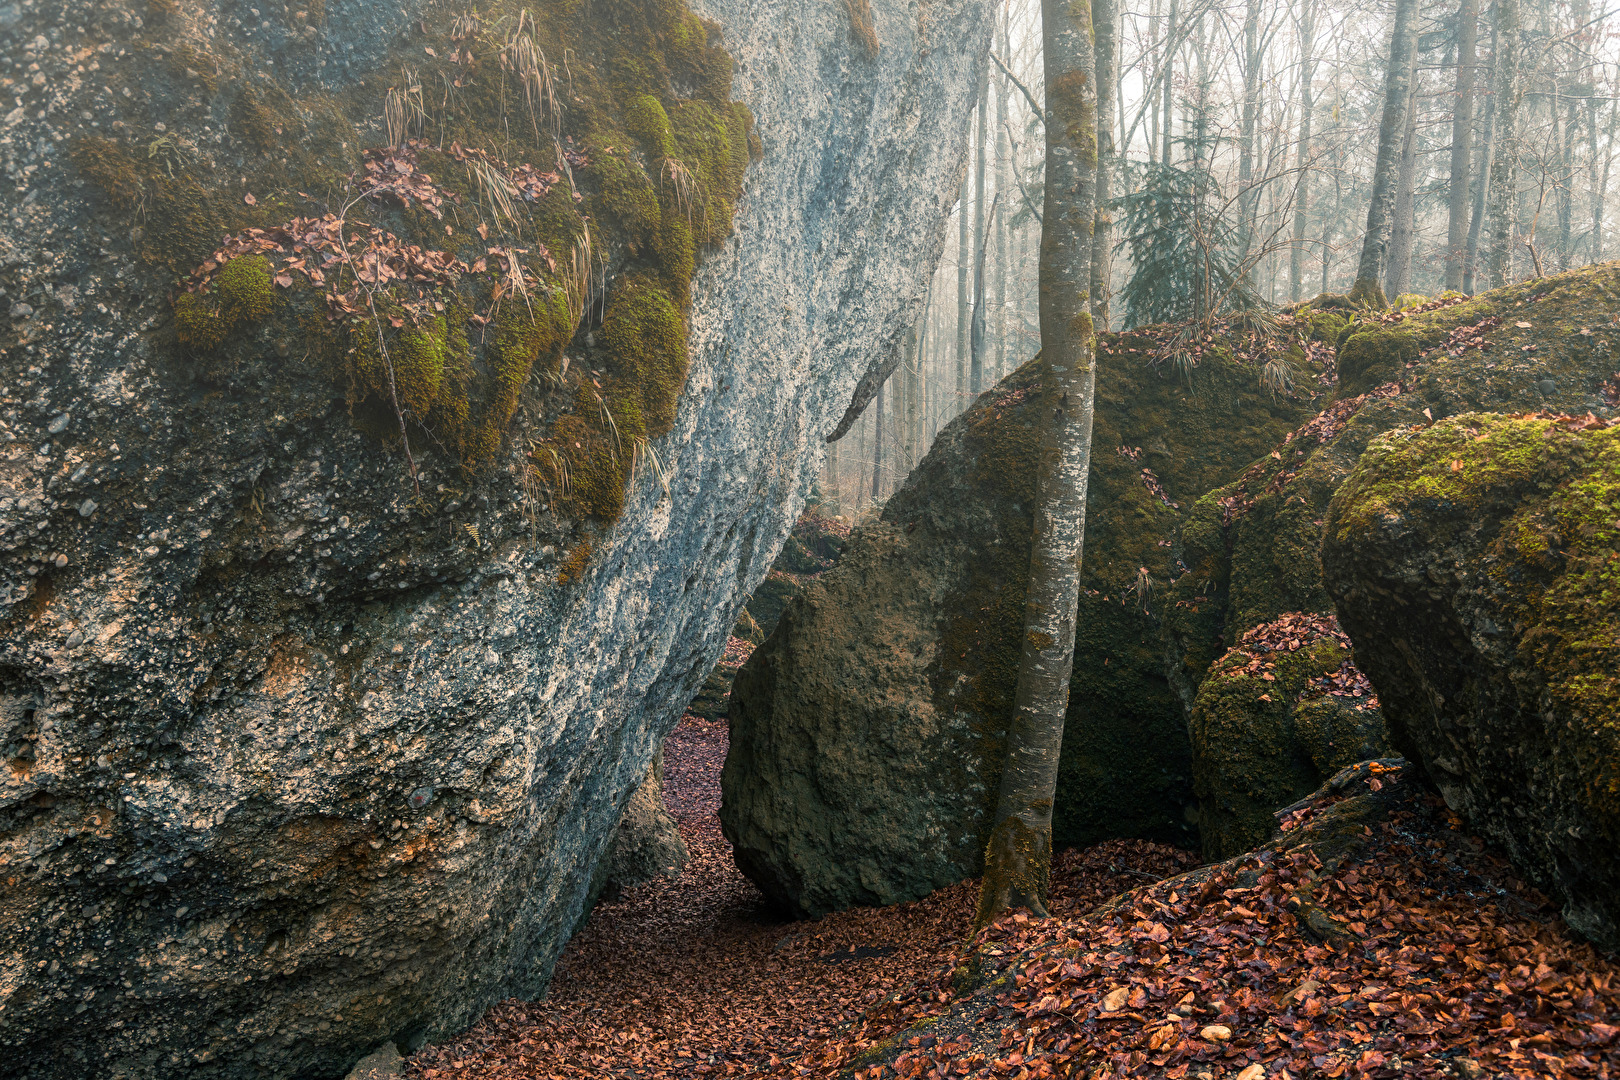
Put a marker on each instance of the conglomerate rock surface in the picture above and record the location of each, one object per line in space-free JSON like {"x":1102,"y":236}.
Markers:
{"x":866,"y":731}
{"x":301,"y":758}
{"x":1477,"y":564}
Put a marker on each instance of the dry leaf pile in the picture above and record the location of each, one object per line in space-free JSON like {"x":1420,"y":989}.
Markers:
{"x":695,"y":978}
{"x":1421,"y":956}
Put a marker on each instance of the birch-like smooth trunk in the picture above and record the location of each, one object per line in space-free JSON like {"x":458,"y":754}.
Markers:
{"x":1368,"y":288}
{"x":1104,"y":17}
{"x":1504,"y":100}
{"x":1302,"y":154}
{"x":1462,"y":148}
{"x":1018,"y":857}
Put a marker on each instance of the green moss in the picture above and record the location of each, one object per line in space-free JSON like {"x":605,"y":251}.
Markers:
{"x":242,"y":291}
{"x":1552,"y":495}
{"x":1258,"y":746}
{"x":646,"y":336}
{"x":1371,"y":357}
{"x":645,"y":118}
{"x":265,"y":117}
{"x":647,"y":101}
{"x":110,"y":167}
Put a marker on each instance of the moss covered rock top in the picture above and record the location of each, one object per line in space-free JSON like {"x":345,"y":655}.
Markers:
{"x":1477,"y":564}
{"x":543,"y":180}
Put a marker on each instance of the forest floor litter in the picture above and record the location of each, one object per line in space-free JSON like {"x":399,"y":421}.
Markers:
{"x":1424,"y":956}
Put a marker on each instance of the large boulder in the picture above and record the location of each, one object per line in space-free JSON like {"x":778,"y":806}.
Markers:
{"x":1252,"y":546}
{"x":312,"y":745}
{"x":1475,"y":563}
{"x":867,"y":731}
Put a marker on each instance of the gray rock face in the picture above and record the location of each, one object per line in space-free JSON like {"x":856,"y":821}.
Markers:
{"x":294,"y":767}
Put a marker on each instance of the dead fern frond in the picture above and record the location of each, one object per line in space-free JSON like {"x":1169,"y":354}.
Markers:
{"x":1275,"y":376}
{"x":579,"y":282}
{"x":525,"y":59}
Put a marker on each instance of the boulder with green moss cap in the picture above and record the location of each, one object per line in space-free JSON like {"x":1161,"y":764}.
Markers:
{"x":1474,"y":562}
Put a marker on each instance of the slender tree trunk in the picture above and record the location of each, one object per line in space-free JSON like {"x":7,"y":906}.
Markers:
{"x":1603,"y":184}
{"x":964,"y":253}
{"x":1302,"y":156}
{"x":877,"y":451}
{"x":1171,"y":40}
{"x":1003,"y":184}
{"x":1482,"y":180}
{"x":1566,"y":187}
{"x":1018,"y":858}
{"x":1157,"y":58}
{"x":1504,"y":95}
{"x":1462,"y":138}
{"x":1104,"y":17}
{"x":832,"y":475}
{"x":1251,"y":122}
{"x":1398,"y":274}
{"x":980,"y":238}
{"x":979,"y":319}
{"x":1391,"y":129}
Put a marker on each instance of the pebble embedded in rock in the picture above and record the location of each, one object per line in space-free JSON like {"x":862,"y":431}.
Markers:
{"x":87,"y":507}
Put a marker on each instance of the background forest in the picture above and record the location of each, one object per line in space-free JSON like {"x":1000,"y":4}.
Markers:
{"x":1245,"y":143}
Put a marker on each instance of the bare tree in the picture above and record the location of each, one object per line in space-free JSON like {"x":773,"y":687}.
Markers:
{"x":1018,"y":858}
{"x":1104,"y":19}
{"x":1392,"y":127}
{"x":1302,"y":156}
{"x":1462,"y":135}
{"x":1505,"y":108}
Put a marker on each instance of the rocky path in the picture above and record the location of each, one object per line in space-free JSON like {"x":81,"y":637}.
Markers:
{"x":695,"y":977}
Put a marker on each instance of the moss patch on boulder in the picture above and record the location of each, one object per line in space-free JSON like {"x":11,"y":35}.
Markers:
{"x":1475,"y":562}
{"x":621,"y":168}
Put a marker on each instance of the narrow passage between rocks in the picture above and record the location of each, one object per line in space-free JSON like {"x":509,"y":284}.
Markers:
{"x":695,"y":976}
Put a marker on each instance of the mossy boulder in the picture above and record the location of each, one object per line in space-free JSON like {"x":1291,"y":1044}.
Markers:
{"x":1475,"y":563}
{"x":867,"y":730}
{"x":1275,"y":717}
{"x":1252,"y":547}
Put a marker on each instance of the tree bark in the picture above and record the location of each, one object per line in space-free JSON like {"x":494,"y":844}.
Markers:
{"x":877,"y":452}
{"x":1398,"y":274}
{"x":1482,"y":181}
{"x":980,"y":238}
{"x":1170,"y":43}
{"x":1018,"y":858}
{"x":1462,"y":138}
{"x":1504,"y":102}
{"x":1391,"y":129}
{"x":1246,"y":137}
{"x":1102,"y":238}
{"x":964,"y":251}
{"x":979,"y":343}
{"x":1302,"y":155}
{"x":1003,"y":184}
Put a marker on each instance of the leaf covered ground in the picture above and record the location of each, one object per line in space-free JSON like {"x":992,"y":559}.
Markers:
{"x":1373,"y":940}
{"x":694,"y":977}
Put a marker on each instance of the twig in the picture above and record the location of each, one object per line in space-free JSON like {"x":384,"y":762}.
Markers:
{"x":1029,"y":97}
